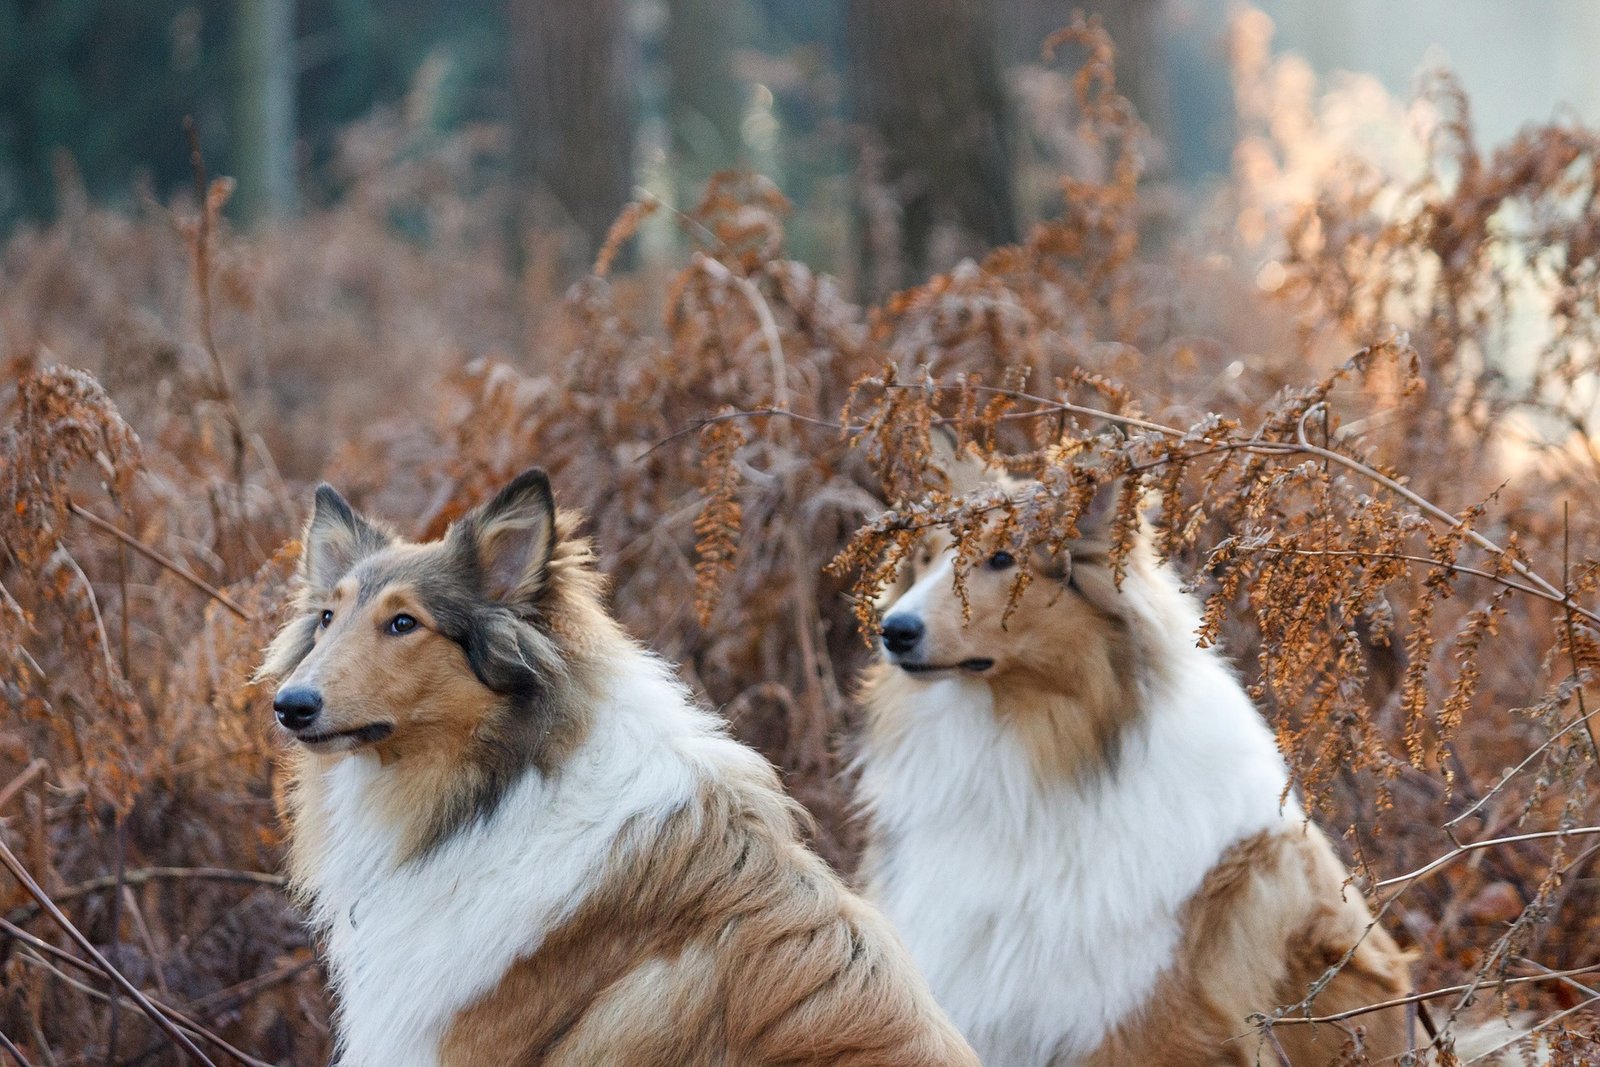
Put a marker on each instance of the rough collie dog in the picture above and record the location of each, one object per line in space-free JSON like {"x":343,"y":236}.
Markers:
{"x":524,"y":843}
{"x":1077,"y":822}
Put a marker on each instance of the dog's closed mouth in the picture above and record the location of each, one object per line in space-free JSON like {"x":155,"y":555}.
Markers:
{"x":974,"y":666}
{"x":361,"y":735}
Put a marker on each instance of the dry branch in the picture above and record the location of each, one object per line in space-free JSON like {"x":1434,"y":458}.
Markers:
{"x":156,"y":557}
{"x":143,"y":1003}
{"x":142,"y":875}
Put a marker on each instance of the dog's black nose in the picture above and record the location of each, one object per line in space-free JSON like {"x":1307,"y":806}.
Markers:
{"x":901,"y":633}
{"x":297,"y":706}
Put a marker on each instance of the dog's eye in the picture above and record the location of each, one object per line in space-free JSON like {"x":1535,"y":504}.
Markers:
{"x":1001,"y":561}
{"x":402,"y":624}
{"x":326,"y":620}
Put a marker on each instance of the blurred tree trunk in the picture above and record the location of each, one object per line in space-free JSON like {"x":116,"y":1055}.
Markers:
{"x":263,"y":108}
{"x":925,"y":83}
{"x":572,"y":113}
{"x":705,"y":100}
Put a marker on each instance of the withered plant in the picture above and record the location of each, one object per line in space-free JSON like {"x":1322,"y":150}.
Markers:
{"x":1332,"y":421}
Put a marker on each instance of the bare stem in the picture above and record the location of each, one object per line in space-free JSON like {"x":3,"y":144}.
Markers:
{"x":142,"y":875}
{"x":1432,"y":994}
{"x":1472,"y":846}
{"x":156,"y":557}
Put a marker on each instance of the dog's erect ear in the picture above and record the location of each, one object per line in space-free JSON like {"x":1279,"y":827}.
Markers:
{"x":1094,"y":533}
{"x":335,"y":539}
{"x":962,"y":469}
{"x":1094,"y":522}
{"x":512,"y":537}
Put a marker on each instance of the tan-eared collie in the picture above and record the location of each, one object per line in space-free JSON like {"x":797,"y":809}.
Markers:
{"x":523,"y":842}
{"x":1080,"y":824}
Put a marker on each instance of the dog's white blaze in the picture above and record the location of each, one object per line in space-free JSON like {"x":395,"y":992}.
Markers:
{"x":1043,"y":916}
{"x":939,"y":578}
{"x":409,"y":947}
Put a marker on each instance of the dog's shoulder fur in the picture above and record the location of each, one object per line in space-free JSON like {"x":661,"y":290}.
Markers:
{"x":1270,"y":919}
{"x":715,"y":939}
{"x":551,"y":854}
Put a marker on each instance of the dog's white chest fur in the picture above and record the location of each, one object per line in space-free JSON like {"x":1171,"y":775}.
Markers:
{"x":411,"y":946}
{"x":1043,"y":916}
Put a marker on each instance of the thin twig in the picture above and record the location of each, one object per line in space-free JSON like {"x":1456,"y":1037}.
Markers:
{"x":1506,"y":778}
{"x":753,"y":413}
{"x":252,"y":987}
{"x":141,"y":875}
{"x":114,"y":1007}
{"x":1432,"y":994}
{"x":142,"y":927}
{"x":94,"y":609}
{"x":16,"y":1053}
{"x":156,"y":557}
{"x":20,"y":782}
{"x":178,"y":1019}
{"x":229,"y":998}
{"x":1473,"y":846}
{"x":20,"y":873}
{"x":1527,"y":1034}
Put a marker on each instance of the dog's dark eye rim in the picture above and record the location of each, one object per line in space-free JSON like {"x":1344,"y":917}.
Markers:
{"x":325,"y":619}
{"x":1002,"y":560}
{"x":402,"y":624}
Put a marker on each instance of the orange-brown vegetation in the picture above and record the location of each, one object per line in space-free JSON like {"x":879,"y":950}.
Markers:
{"x":1365,"y":417}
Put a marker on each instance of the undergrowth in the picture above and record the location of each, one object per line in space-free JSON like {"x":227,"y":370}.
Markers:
{"x":1359,"y":419}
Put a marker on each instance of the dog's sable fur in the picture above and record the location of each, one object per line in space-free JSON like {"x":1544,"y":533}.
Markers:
{"x":1075,"y":822}
{"x":523,"y":842}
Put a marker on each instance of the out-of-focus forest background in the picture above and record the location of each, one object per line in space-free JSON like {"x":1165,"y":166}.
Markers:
{"x":1321,"y":280}
{"x":945,"y":107}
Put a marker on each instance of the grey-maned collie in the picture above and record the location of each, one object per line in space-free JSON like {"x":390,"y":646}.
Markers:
{"x":524,"y":843}
{"x":1077,"y":824}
